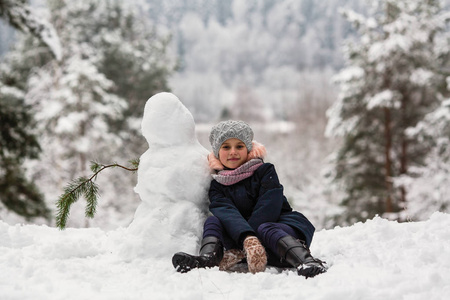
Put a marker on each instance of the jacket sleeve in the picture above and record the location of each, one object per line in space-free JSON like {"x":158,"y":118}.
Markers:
{"x":230,"y":217}
{"x":270,"y":201}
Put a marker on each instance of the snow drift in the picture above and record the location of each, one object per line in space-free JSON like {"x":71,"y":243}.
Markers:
{"x":378,"y":259}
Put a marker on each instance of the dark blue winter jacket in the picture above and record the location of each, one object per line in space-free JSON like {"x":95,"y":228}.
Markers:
{"x":245,"y":205}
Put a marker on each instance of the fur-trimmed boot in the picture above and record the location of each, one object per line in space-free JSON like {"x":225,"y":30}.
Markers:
{"x":211,"y":253}
{"x":298,"y":255}
{"x":231,"y":258}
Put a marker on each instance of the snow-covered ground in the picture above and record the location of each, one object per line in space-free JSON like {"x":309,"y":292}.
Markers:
{"x":378,"y":259}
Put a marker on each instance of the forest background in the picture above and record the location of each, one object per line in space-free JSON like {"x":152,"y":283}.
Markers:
{"x":289,"y":68}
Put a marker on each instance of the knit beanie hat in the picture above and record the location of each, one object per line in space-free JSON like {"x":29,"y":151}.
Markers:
{"x":230,"y":129}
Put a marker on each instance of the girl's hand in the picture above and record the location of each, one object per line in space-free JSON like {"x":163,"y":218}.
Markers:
{"x":256,"y":254}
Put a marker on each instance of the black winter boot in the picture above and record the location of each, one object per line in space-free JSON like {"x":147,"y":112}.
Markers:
{"x":211,"y":253}
{"x":298,"y":255}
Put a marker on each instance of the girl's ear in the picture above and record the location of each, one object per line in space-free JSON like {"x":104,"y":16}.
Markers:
{"x":214,"y":162}
{"x":258,"y":151}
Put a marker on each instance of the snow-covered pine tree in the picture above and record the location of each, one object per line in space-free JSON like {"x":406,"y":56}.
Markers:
{"x":73,"y":103}
{"x":21,"y":16}
{"x":110,"y":53}
{"x":133,"y":55}
{"x":429,"y":185}
{"x":17,"y":142}
{"x":390,"y":84}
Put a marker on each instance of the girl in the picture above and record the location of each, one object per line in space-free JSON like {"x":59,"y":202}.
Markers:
{"x":251,"y":216}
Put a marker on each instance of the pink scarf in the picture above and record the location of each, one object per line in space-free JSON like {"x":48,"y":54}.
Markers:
{"x":229,"y":177}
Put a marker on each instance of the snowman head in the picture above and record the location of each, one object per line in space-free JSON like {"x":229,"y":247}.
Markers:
{"x":167,"y":122}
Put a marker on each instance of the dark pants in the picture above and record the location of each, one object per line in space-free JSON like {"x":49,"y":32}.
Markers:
{"x":268,"y":233}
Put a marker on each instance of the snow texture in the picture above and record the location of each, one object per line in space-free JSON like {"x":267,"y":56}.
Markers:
{"x":378,"y":259}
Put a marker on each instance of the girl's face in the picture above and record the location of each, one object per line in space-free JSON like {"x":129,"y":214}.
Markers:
{"x":233,"y":153}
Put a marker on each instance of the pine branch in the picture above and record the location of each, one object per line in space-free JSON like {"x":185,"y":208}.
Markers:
{"x":91,"y":195}
{"x":86,"y":187}
{"x":135,"y":164}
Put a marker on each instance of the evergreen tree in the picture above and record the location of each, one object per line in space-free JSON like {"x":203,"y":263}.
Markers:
{"x":17,"y":143}
{"x":133,"y":56}
{"x":390,"y":84}
{"x":20,"y":16}
{"x":18,"y":140}
{"x":109,"y":56}
{"x":429,"y":185}
{"x":89,"y":103}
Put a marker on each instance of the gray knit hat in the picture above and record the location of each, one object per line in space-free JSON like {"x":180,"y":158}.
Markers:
{"x":230,"y":129}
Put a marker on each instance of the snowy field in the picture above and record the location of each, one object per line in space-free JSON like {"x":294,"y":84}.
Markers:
{"x":378,"y":259}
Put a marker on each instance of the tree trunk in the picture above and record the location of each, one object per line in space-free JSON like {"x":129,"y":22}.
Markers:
{"x":388,"y":159}
{"x":404,"y":151}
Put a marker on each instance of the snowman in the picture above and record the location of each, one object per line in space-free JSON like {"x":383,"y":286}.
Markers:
{"x":173,"y":181}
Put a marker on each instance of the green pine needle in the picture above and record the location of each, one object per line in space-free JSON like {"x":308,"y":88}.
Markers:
{"x":91,"y":195}
{"x":95,"y":167}
{"x":135,"y":163}
{"x":72,"y":193}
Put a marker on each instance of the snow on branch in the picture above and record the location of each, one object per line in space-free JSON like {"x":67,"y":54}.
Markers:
{"x":21,"y":17}
{"x":11,"y":91}
{"x":386,"y":98}
{"x":359,"y":21}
